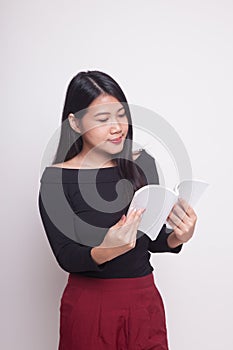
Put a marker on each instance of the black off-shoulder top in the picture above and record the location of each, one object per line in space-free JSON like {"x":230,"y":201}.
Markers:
{"x":78,"y":206}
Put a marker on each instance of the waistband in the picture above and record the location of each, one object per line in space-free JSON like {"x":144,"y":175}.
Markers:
{"x":111,"y":283}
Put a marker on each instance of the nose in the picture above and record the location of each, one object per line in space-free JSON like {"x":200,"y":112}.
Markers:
{"x":116,"y":127}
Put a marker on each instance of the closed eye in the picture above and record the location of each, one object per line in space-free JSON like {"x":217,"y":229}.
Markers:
{"x":102,"y":120}
{"x":119,"y":115}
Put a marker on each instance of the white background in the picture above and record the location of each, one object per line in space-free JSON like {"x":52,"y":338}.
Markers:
{"x":174,"y":57}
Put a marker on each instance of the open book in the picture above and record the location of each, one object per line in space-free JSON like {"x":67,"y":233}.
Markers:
{"x":159,"y":200}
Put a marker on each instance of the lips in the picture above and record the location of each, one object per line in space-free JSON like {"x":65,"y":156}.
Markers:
{"x":118,"y":139}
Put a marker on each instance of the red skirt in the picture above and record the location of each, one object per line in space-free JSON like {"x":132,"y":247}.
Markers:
{"x":112,"y":314}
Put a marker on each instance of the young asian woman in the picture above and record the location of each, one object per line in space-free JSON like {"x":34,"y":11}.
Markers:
{"x":110,"y":300}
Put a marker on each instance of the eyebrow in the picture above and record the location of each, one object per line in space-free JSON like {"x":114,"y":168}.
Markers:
{"x":100,"y":113}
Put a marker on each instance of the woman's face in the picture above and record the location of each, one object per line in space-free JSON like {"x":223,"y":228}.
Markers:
{"x":104,"y":121}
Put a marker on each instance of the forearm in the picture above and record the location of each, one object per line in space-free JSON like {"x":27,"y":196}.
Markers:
{"x":70,"y":255}
{"x":101,"y":255}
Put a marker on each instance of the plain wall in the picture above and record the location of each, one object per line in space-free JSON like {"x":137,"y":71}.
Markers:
{"x":174,"y":57}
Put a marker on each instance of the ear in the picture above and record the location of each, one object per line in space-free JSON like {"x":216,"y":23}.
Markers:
{"x":74,"y":123}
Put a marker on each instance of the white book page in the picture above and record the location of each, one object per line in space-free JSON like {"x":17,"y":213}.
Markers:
{"x":191,"y":190}
{"x":158,"y":202}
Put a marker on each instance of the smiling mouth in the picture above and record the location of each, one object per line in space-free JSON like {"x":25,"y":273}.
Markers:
{"x":118,"y":139}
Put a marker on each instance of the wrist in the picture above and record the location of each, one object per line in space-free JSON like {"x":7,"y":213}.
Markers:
{"x":173,"y":241}
{"x":100,"y":255}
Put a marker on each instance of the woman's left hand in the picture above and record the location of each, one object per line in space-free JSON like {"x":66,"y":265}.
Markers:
{"x":182,"y":219}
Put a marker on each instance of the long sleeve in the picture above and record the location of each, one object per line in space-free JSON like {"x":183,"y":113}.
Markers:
{"x":159,"y":245}
{"x":74,"y":220}
{"x":56,"y":218}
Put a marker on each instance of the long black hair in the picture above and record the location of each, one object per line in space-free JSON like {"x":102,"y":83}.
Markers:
{"x":82,"y":90}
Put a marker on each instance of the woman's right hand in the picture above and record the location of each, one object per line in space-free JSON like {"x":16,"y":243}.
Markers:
{"x":123,"y":233}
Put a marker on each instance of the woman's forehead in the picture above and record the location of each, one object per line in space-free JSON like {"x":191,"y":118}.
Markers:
{"x":107,"y":107}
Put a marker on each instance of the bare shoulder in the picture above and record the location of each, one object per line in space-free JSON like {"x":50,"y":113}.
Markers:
{"x":60,"y":165}
{"x":136,"y":154}
{"x":68,"y":164}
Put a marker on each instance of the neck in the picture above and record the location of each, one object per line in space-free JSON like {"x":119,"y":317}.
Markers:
{"x":92,"y":159}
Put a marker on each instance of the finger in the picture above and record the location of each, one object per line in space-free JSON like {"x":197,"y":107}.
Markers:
{"x":179,"y":211}
{"x":183,"y":203}
{"x":182,"y":228}
{"x":129,"y":224}
{"x":179,"y":233}
{"x":130,"y":211}
{"x":129,"y":220}
{"x":174,"y":218}
{"x":189,"y":210}
{"x":186,"y":207}
{"x":133,"y":214}
{"x":176,"y":227}
{"x":138,"y":219}
{"x":133,"y":209}
{"x":134,"y":226}
{"x":122,"y":220}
